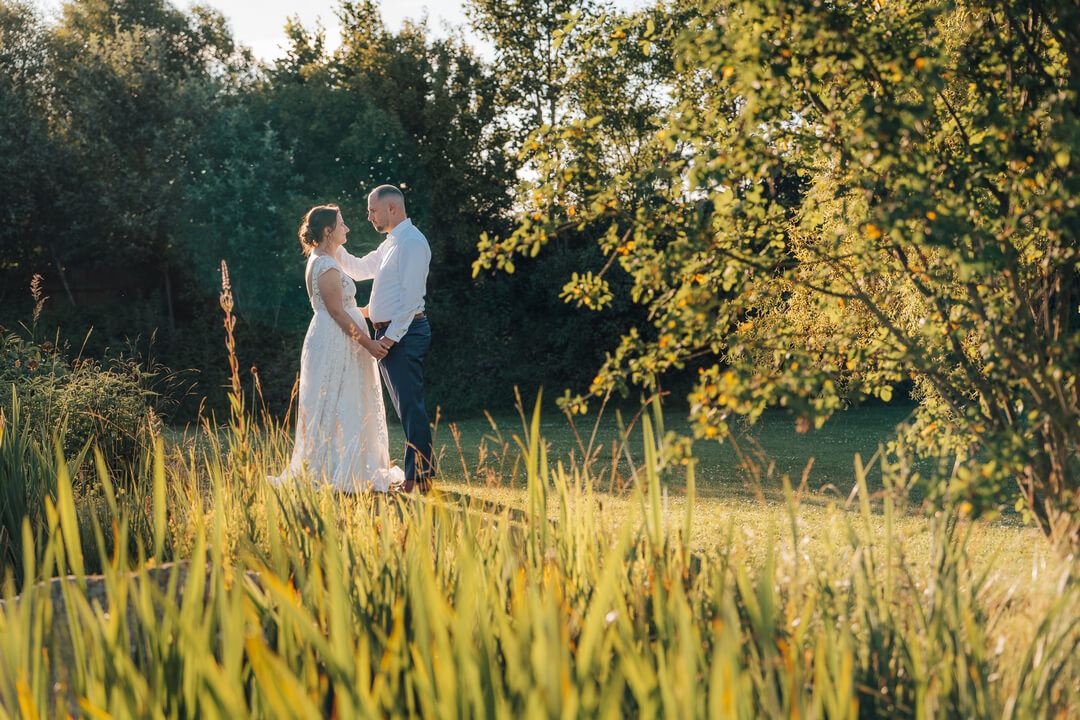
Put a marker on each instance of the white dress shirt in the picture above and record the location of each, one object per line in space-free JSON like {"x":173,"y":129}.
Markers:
{"x":399,"y":267}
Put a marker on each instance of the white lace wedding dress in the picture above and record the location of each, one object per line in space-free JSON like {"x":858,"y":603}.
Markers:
{"x":341,"y":437}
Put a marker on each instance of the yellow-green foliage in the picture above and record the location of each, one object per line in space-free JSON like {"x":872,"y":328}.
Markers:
{"x":300,"y":603}
{"x":846,"y":200}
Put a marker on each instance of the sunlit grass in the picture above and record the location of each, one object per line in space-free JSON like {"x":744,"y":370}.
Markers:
{"x":737,"y":491}
{"x":556,"y":570}
{"x":738,"y":496}
{"x":526,"y":586}
{"x":859,"y":430}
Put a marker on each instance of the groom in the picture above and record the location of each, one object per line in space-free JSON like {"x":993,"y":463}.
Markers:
{"x":400,"y":268}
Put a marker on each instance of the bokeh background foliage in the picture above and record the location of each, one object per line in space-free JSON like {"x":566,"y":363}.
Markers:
{"x":141,"y":146}
{"x":851,"y":201}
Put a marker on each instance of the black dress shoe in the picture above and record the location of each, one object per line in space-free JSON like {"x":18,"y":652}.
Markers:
{"x":421,"y":484}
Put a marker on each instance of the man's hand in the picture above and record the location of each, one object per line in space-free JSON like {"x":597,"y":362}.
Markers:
{"x":373,"y":347}
{"x":386,"y":343}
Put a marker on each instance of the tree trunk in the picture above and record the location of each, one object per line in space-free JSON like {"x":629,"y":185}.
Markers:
{"x":169,"y":300}
{"x":1052,"y":502}
{"x":63,"y":276}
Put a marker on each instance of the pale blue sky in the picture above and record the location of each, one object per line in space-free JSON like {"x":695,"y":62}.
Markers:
{"x":259,"y":23}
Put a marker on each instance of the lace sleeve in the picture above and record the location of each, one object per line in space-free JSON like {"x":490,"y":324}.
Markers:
{"x":318,"y":267}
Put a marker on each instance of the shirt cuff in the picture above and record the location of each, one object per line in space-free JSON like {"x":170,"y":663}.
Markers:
{"x":400,"y":325}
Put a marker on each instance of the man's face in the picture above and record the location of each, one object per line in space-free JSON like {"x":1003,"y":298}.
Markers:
{"x":378,"y":214}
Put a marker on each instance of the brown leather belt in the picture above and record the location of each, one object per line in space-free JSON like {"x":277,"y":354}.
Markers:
{"x":384,"y":325}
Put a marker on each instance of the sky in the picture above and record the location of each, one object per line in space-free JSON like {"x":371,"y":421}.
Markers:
{"x":259,"y":24}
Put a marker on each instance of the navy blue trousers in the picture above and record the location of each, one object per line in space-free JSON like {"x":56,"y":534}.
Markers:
{"x":403,"y":372}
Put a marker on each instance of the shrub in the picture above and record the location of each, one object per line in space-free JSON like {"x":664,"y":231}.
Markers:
{"x":81,"y":401}
{"x":104,"y":405}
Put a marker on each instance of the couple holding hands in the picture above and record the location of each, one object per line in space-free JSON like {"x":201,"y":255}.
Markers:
{"x":341,"y":434}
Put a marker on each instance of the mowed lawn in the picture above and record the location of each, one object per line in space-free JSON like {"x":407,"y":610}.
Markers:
{"x":739,"y":499}
{"x":749,"y":465}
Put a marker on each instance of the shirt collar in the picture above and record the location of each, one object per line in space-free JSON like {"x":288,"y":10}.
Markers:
{"x":398,"y":229}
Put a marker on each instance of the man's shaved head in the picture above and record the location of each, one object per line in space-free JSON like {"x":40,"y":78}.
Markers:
{"x":386,"y":208}
{"x":388,"y":192}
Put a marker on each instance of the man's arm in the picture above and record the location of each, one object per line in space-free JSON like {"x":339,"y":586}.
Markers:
{"x":413,"y":266}
{"x":359,"y":268}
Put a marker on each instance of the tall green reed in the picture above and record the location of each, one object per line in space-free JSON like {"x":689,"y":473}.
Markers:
{"x":374,"y":606}
{"x":297,"y":602}
{"x":30,"y":461}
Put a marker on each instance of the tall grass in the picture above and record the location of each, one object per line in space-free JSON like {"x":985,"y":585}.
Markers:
{"x":28,"y":472}
{"x":300,"y":603}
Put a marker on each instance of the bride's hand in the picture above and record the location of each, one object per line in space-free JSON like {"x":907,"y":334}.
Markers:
{"x":376,"y":350}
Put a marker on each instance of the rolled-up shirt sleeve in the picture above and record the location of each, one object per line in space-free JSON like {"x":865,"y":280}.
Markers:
{"x":359,"y":268}
{"x":414,"y":257}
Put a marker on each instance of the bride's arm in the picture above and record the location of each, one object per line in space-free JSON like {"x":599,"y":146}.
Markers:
{"x":330,"y":289}
{"x":358,"y":268}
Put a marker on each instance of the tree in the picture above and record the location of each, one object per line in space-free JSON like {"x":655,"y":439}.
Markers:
{"x":27,"y":152}
{"x":536,"y":44}
{"x":934,"y":242}
{"x":562,"y":62}
{"x":441,"y":100}
{"x":136,"y":84}
{"x":418,"y":112}
{"x":608,"y":78}
{"x":240,"y":201}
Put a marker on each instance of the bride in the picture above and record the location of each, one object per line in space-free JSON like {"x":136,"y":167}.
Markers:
{"x":341,"y":437}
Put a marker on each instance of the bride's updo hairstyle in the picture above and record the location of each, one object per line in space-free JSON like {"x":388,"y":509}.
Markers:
{"x":318,"y":220}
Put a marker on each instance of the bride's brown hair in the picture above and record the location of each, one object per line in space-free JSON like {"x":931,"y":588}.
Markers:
{"x":318,"y":220}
